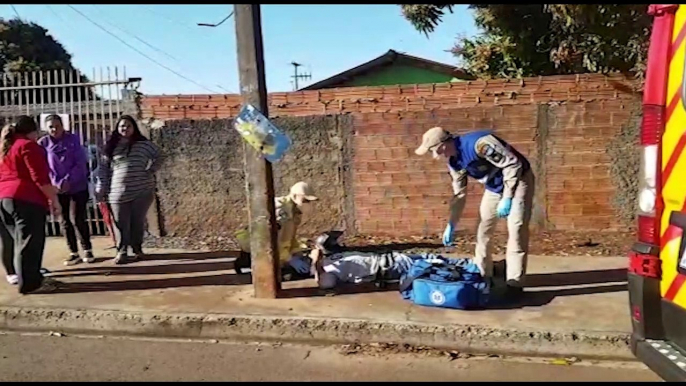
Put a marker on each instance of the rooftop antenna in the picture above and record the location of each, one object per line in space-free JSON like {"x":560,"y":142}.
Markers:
{"x":297,"y":76}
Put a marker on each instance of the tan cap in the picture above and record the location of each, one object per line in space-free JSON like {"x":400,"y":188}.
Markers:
{"x":432,"y":138}
{"x":303,"y":189}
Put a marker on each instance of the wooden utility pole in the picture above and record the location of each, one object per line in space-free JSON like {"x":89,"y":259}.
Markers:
{"x":266,"y":275}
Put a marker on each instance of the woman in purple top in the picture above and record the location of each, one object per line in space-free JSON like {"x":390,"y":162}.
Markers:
{"x":69,"y":173}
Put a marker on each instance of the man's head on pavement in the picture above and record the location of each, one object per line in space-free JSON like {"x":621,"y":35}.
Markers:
{"x":437,"y":141}
{"x":301,"y":193}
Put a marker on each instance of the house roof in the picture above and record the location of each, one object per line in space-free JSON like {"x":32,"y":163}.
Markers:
{"x":388,"y":58}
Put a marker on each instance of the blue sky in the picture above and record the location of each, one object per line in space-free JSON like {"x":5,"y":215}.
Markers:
{"x":327,"y":39}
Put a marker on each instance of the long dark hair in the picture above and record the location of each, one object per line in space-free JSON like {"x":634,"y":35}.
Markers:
{"x":115,"y":137}
{"x":23,"y":126}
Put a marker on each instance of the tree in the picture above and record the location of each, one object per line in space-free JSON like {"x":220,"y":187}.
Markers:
{"x":29,"y":47}
{"x":26,"y":47}
{"x":546,"y":39}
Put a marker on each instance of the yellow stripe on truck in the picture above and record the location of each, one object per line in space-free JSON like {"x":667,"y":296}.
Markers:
{"x":674,"y":190}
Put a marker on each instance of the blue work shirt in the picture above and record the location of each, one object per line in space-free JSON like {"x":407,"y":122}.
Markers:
{"x":478,"y":167}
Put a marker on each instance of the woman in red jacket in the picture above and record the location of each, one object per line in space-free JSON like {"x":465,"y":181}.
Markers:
{"x":26,"y":195}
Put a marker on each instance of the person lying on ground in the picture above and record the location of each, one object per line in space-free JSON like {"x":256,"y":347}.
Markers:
{"x":289,"y":211}
{"x":356,"y":267}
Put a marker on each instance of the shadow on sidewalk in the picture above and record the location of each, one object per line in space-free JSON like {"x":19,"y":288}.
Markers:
{"x":149,"y":284}
{"x":347,"y":289}
{"x":131,"y":269}
{"x":541,"y":298}
{"x":535,"y":297}
{"x":577,"y":278}
{"x":126,"y":270}
{"x":194,"y":264}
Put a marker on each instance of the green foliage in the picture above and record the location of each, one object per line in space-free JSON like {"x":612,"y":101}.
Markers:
{"x":28,"y":47}
{"x":546,"y":39}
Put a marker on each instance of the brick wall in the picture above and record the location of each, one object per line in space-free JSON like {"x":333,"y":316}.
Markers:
{"x":578,"y":183}
{"x":561,"y":123}
{"x":397,"y":191}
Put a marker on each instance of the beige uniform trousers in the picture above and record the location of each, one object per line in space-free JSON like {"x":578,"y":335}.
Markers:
{"x":517,"y":229}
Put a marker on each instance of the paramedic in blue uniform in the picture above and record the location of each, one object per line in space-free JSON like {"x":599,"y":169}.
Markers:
{"x":509,"y":189}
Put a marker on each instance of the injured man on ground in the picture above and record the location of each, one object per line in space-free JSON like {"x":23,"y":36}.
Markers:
{"x":331,"y":265}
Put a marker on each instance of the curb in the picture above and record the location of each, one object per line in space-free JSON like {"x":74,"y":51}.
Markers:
{"x":470,"y":339}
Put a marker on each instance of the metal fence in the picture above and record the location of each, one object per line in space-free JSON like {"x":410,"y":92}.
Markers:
{"x":93,"y":105}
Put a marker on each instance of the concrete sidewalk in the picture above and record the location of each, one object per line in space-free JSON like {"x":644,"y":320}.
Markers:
{"x":574,"y":306}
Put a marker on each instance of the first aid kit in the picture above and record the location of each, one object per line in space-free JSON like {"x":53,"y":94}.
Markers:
{"x":445,"y":283}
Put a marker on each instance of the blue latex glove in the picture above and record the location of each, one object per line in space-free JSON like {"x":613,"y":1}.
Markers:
{"x":300,"y":264}
{"x":448,"y":234}
{"x":504,"y":207}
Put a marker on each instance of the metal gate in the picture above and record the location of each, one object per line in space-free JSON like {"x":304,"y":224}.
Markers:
{"x":93,"y":105}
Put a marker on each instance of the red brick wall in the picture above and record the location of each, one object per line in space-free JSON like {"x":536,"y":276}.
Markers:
{"x":425,"y":97}
{"x":399,"y":192}
{"x":565,"y":121}
{"x":578,"y":183}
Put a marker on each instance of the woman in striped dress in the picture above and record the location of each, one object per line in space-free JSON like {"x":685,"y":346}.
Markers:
{"x":127,"y":182}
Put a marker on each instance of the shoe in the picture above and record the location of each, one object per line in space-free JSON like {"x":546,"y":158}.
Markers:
{"x":242,"y":262}
{"x":89,"y":258}
{"x":72,"y":259}
{"x":12,"y":279}
{"x":490,"y":283}
{"x":137,"y":256}
{"x":121,"y":258}
{"x":514,"y":292}
{"x":47,"y":286}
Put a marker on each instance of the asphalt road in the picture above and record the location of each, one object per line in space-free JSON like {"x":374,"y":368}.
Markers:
{"x":41,"y":357}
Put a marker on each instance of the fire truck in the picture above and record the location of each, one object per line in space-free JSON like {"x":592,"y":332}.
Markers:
{"x":657,"y":261}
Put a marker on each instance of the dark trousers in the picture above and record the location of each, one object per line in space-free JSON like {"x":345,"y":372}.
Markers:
{"x":129,"y":222}
{"x":80,"y":201}
{"x":22,"y":230}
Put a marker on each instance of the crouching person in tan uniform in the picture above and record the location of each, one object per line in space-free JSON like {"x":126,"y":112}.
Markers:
{"x":288,"y":217}
{"x":509,"y":189}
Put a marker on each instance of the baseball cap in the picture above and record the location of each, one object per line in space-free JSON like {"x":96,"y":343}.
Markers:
{"x":432,"y":138}
{"x":303,"y":189}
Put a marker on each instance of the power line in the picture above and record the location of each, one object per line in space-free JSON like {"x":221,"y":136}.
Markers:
{"x":15,"y":11}
{"x":100,"y":11}
{"x":222,"y":88}
{"x":218,"y":24}
{"x":169,"y":19}
{"x":137,"y":38}
{"x":137,"y":50}
{"x":55,"y":12}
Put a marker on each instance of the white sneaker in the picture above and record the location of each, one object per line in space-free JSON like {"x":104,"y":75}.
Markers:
{"x":121,"y":258}
{"x":12,"y":279}
{"x":88,"y":258}
{"x":72,"y":260}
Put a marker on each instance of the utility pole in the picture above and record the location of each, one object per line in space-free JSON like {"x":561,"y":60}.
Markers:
{"x":296,"y":76}
{"x":266,"y":276}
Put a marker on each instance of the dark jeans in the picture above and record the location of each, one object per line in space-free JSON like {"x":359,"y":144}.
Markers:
{"x":22,"y":230}
{"x":80,"y":201}
{"x":129,"y":222}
